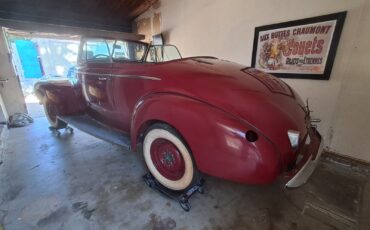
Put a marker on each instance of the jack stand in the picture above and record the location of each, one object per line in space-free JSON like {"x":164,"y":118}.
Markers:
{"x":56,"y":131}
{"x":182,"y":197}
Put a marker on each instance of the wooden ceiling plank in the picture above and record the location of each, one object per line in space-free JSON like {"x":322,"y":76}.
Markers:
{"x":67,"y":30}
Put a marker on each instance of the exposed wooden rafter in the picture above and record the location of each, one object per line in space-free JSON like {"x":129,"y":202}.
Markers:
{"x":113,"y":15}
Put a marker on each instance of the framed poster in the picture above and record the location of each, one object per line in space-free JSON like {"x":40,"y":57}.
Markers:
{"x":303,"y":48}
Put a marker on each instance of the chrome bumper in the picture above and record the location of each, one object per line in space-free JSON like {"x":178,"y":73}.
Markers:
{"x":301,"y":176}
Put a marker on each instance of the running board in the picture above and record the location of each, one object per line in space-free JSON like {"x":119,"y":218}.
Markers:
{"x":88,"y":125}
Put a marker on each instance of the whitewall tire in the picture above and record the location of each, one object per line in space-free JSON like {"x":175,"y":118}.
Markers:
{"x":167,"y":158}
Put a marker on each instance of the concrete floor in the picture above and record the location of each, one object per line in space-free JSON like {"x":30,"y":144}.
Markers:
{"x":79,"y":182}
{"x":35,"y":110}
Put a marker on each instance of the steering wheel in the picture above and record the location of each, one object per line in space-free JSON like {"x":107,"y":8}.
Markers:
{"x":100,"y":55}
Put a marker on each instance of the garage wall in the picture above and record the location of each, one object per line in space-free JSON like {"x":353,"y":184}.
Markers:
{"x":225,"y":29}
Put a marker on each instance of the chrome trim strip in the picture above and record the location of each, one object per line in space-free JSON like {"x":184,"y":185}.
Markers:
{"x":302,"y":175}
{"x":121,"y":75}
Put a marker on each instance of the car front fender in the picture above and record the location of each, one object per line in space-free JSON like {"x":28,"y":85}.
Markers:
{"x":216,"y":138}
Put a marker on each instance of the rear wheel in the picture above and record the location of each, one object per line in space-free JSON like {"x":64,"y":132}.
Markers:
{"x":168,"y":158}
{"x":51,"y":114}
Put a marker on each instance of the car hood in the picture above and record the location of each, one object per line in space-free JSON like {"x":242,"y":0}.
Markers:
{"x":260,"y":99}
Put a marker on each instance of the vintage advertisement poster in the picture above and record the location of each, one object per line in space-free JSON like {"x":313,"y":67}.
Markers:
{"x":296,"y":49}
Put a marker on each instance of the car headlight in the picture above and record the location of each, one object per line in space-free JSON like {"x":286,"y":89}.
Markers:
{"x":293,"y":138}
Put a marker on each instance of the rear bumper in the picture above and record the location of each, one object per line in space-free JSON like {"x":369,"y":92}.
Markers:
{"x":310,"y":156}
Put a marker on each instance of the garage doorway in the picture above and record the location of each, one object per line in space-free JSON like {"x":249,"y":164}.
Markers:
{"x":41,"y":56}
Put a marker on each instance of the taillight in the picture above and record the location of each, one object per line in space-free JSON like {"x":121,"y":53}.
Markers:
{"x":293,"y":138}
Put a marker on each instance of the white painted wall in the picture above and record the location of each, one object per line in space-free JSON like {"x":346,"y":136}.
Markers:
{"x":225,"y":29}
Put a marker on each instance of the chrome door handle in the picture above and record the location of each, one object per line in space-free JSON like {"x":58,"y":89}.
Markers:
{"x":102,"y":78}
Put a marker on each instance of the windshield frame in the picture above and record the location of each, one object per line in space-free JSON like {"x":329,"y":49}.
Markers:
{"x":83,"y":40}
{"x":146,"y":45}
{"x":150,"y":45}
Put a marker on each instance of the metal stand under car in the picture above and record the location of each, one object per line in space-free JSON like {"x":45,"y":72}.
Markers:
{"x":56,"y":131}
{"x":182,"y":197}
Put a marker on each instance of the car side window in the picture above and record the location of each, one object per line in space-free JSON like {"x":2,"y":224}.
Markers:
{"x":163,"y":53}
{"x":128,"y":51}
{"x":96,"y":50}
{"x":121,"y":51}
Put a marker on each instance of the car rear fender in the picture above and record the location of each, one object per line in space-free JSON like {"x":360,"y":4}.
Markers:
{"x":216,"y":138}
{"x":63,"y":93}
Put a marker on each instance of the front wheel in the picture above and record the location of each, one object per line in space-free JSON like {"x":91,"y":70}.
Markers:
{"x":168,"y":158}
{"x":51,"y":114}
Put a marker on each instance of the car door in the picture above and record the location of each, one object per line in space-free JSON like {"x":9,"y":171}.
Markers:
{"x":128,"y":81}
{"x":94,"y":72}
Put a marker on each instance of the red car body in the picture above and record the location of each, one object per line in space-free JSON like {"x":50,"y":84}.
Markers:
{"x":212,"y":103}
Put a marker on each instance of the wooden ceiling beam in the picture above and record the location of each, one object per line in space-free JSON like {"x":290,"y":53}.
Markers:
{"x":114,"y":15}
{"x":67,"y":30}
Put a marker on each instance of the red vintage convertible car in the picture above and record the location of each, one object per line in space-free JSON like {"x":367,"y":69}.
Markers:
{"x":192,"y":115}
